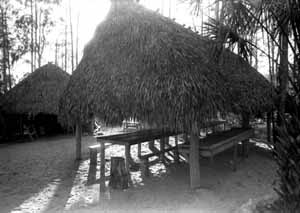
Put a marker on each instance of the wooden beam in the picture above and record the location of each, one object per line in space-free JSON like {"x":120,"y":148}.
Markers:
{"x":139,"y":149}
{"x":127,"y":157}
{"x":194,"y":162}
{"x":176,"y":154}
{"x":78,"y":140}
{"x":102,"y":166}
{"x":162,"y":148}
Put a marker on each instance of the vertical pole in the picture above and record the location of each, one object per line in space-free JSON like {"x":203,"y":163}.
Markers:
{"x":245,"y":124}
{"x":127,"y":157}
{"x":269,"y":127}
{"x":162,"y":148}
{"x":176,"y":150}
{"x":78,"y":140}
{"x":194,"y":162}
{"x":102,"y":166}
{"x":139,"y":150}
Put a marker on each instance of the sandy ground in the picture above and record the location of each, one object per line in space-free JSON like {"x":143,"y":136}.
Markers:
{"x":42,"y":176}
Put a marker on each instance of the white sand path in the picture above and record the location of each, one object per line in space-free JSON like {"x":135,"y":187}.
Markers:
{"x":42,"y":176}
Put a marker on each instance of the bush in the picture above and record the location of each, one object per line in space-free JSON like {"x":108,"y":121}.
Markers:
{"x":287,"y":156}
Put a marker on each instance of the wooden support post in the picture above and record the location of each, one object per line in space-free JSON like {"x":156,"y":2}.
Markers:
{"x":139,"y":150}
{"x":78,"y":140}
{"x":102,"y":166}
{"x":194,"y":162}
{"x":167,"y":141}
{"x":145,"y":167}
{"x":245,"y":143}
{"x":93,"y":156}
{"x":162,"y":148}
{"x":118,"y":174}
{"x":176,"y":152}
{"x":127,"y":157}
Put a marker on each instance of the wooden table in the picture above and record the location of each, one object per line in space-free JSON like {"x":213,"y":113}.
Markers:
{"x":211,"y":145}
{"x":127,"y":140}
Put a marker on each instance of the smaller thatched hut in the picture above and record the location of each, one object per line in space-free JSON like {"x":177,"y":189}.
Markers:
{"x":34,"y":101}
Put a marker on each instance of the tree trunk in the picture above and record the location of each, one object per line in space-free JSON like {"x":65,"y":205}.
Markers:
{"x":4,"y":48}
{"x":31,"y":36}
{"x":66,"y":47}
{"x":71,"y":34}
{"x":77,"y":39}
{"x":245,"y":120}
{"x":36,"y":26}
{"x":78,"y":140}
{"x":283,"y":72}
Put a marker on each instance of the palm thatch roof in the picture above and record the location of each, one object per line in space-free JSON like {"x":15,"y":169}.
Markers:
{"x":143,"y":65}
{"x":248,"y":91}
{"x":39,"y":92}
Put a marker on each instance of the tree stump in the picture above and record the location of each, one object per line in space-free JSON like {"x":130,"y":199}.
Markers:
{"x":119,"y":176}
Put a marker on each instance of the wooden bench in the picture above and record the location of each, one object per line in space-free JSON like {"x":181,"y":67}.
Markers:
{"x":215,"y":144}
{"x":145,"y":159}
{"x":93,"y":153}
{"x":127,"y":126}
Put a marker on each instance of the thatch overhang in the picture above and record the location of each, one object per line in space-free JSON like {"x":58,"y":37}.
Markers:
{"x":39,"y":92}
{"x":248,"y":91}
{"x":143,"y":65}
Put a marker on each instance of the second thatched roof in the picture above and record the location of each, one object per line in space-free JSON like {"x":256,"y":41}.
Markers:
{"x":143,"y":65}
{"x":39,"y":92}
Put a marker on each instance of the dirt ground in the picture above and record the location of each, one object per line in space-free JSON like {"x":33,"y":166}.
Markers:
{"x":42,"y":176}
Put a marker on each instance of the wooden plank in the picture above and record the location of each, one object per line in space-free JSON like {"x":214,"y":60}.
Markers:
{"x":158,"y":152}
{"x":194,"y":162}
{"x":211,"y":142}
{"x":137,"y":137}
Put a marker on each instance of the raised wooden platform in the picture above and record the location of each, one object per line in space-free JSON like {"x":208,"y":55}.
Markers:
{"x":220,"y":141}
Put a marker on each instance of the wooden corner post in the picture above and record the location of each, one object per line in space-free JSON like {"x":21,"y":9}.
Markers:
{"x":194,"y":162}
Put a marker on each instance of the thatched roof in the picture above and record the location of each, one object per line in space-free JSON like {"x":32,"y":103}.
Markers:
{"x":143,"y":65}
{"x":39,"y":92}
{"x":247,"y":89}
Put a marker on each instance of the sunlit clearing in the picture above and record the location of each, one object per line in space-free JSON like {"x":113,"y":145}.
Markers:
{"x":81,"y":194}
{"x":39,"y":202}
{"x":136,"y":178}
{"x":158,"y":170}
